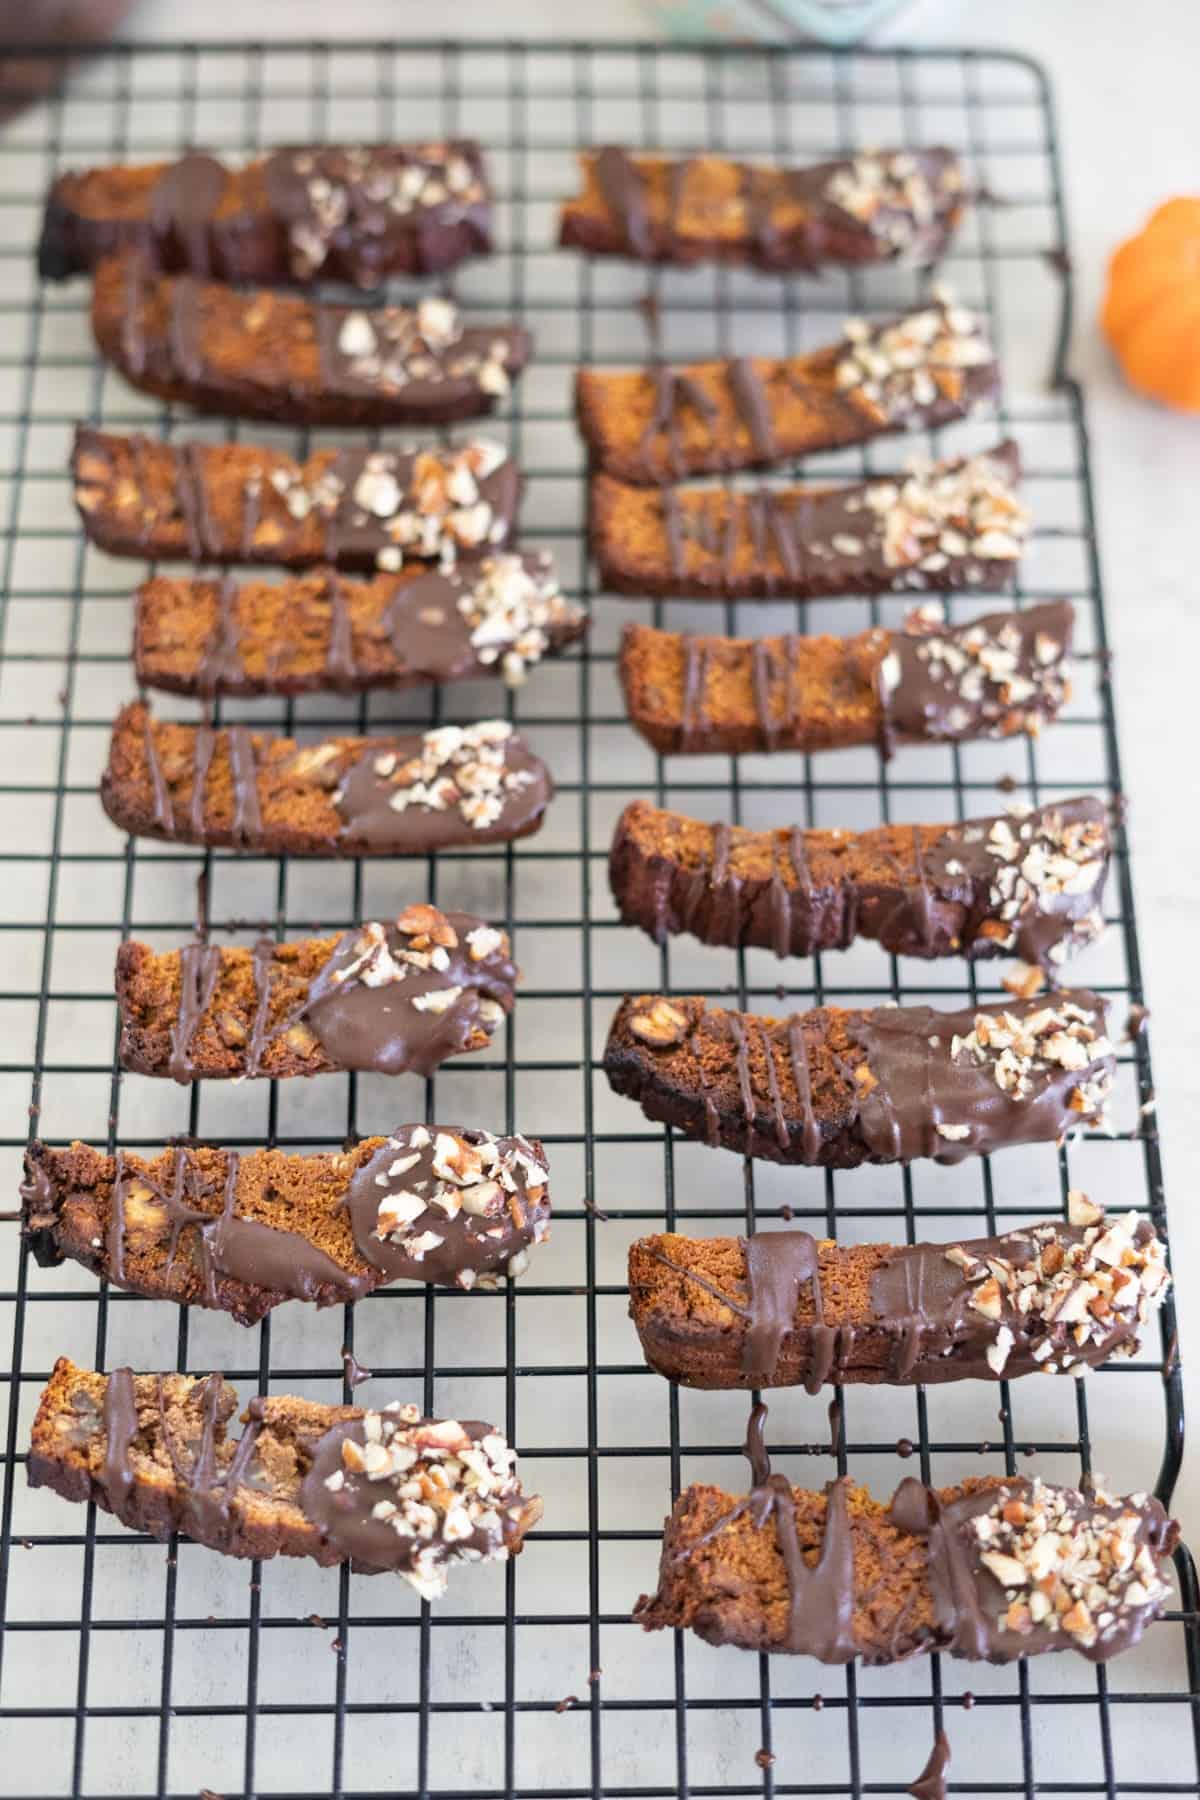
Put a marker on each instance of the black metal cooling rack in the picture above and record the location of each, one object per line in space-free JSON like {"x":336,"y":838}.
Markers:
{"x":134,"y":1668}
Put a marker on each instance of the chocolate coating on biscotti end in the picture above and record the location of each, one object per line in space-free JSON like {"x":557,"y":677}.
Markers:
{"x":356,"y":213}
{"x":258,"y":354}
{"x":653,"y":426}
{"x":386,"y":997}
{"x":782,"y":1309}
{"x":935,"y":528}
{"x":303,"y":1479}
{"x":496,"y":615}
{"x":380,"y":796}
{"x":1002,"y":673}
{"x":936,"y":1569}
{"x":243,"y":1233}
{"x":836,"y":1087}
{"x":1028,"y":882}
{"x":875,"y":207}
{"x":352,"y":508}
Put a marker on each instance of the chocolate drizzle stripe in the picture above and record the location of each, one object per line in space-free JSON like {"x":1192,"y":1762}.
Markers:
{"x":120,"y":1425}
{"x":753,"y":406}
{"x":243,"y":767}
{"x":164,"y":812}
{"x":340,"y":666}
{"x":623,"y":189}
{"x":206,"y":743}
{"x":199,"y":969}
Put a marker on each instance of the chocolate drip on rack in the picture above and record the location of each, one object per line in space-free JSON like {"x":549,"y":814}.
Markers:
{"x":820,"y":1618}
{"x":931,"y":1782}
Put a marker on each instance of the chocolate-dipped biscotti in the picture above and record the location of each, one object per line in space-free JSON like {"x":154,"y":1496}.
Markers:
{"x":1028,"y":881}
{"x":390,"y":998}
{"x":1002,"y":673}
{"x":993,"y":1570}
{"x":241,"y":1234}
{"x":317,"y":212}
{"x":937,"y":527}
{"x":387,"y":1492}
{"x":652,"y":426}
{"x":489,"y":615}
{"x":870,"y":208}
{"x":345,"y":796}
{"x":257,"y":354}
{"x":836,"y":1087}
{"x":354,"y":508}
{"x":784,"y":1309}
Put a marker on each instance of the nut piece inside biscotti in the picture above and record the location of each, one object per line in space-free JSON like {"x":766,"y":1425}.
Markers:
{"x":836,"y":1087}
{"x":873,"y":207}
{"x":391,"y":998}
{"x":997,"y":1569}
{"x":261,"y":354}
{"x":781,"y":1308}
{"x":384,"y":1490}
{"x":1028,"y":881}
{"x":334,"y":212}
{"x":245,"y":1232}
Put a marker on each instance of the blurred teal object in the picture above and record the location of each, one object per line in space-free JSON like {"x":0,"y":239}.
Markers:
{"x":828,"y":21}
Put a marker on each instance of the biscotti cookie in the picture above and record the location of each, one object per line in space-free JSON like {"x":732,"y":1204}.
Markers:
{"x":334,"y":1483}
{"x":870,"y":208}
{"x":1002,"y":673}
{"x":782,"y":1309}
{"x":354,"y":508}
{"x":938,"y":527}
{"x":390,"y":998}
{"x":1028,"y":881}
{"x":257,"y":354}
{"x":993,"y":1570}
{"x":489,"y":615}
{"x":654,"y":425}
{"x":317,"y":212}
{"x":344,"y":796}
{"x":837,"y":1087}
{"x":243,"y":1233}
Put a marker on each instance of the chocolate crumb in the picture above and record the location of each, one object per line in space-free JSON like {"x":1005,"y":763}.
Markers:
{"x":764,"y":1758}
{"x":817,"y":1702}
{"x":1135,"y":1024}
{"x":355,"y":1374}
{"x":968,"y":1700}
{"x":1058,"y":260}
{"x":566,"y":1703}
{"x":904,"y":1447}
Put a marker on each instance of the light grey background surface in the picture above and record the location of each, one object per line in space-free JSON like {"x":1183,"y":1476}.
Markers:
{"x":1146,"y":472}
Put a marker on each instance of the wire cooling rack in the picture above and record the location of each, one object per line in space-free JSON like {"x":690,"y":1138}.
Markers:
{"x":133,"y":1668}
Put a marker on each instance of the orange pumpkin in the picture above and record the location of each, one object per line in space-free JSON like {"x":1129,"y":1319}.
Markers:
{"x":1151,"y":313}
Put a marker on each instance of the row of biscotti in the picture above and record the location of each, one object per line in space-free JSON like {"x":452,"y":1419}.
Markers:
{"x":363,"y":212}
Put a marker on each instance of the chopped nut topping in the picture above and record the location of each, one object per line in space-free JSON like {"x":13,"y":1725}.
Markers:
{"x":970,"y":512}
{"x":1021,"y":1047}
{"x":1068,"y":1562}
{"x":458,"y":766}
{"x":891,"y":195}
{"x":900,"y":368}
{"x":512,"y":610}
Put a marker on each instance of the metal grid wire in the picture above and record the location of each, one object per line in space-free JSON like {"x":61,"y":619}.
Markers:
{"x":134,"y":1668}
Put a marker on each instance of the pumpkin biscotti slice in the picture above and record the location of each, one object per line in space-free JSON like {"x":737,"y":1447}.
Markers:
{"x":491,"y":615}
{"x":1002,"y":673}
{"x":387,"y":1491}
{"x":259,"y":354}
{"x":353,"y":508}
{"x":875,"y":207}
{"x":242,"y":1233}
{"x":836,"y":1087}
{"x":391,"y":998}
{"x":995,"y":1570}
{"x":309,"y":212}
{"x":935,"y":528}
{"x":652,"y":426}
{"x":345,"y":796}
{"x":784,"y":1309}
{"x":1028,"y":881}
